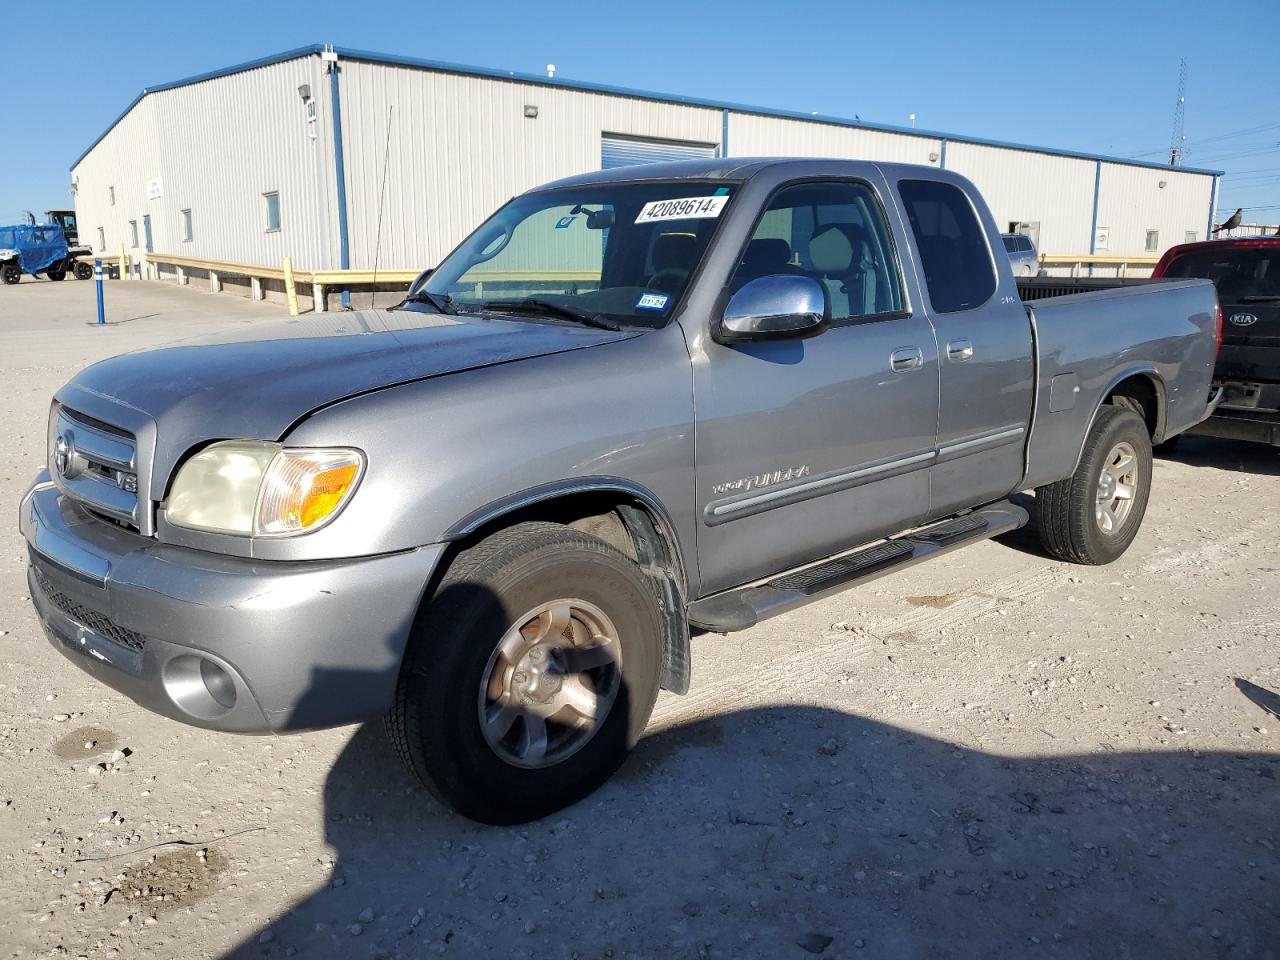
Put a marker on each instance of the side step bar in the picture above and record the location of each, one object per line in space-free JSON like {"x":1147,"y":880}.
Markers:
{"x":744,"y":607}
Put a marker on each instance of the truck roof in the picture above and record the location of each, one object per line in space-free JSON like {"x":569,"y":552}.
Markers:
{"x":743,"y":168}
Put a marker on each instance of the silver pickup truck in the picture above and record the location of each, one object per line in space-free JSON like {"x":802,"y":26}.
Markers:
{"x":631,"y":406}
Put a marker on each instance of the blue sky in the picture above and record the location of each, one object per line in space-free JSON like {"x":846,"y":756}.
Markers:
{"x":1089,"y":76}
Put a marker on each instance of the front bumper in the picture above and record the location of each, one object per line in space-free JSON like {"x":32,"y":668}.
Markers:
{"x":221,"y":642}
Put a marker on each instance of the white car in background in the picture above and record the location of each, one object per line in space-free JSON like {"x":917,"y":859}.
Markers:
{"x":1022,"y":254}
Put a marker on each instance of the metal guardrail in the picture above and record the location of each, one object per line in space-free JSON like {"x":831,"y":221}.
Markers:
{"x":319,"y":280}
{"x":1078,"y":262}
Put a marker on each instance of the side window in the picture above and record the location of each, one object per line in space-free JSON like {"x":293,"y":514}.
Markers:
{"x":835,"y":233}
{"x":953,"y":247}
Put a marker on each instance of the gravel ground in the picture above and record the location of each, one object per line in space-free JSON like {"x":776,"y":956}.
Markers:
{"x":992,"y":755}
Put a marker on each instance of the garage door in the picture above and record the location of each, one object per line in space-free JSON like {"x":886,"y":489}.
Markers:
{"x":624,"y":151}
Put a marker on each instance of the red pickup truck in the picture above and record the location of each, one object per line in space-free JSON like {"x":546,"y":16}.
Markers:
{"x":1246,"y":272}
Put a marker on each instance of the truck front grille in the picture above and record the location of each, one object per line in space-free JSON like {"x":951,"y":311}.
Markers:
{"x":99,"y":623}
{"x":96,"y":464}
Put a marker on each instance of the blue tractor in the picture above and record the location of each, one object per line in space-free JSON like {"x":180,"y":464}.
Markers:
{"x":39,"y":248}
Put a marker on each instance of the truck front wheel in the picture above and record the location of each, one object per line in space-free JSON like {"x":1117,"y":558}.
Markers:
{"x":1093,"y":515}
{"x":10,"y":273}
{"x":530,"y":674}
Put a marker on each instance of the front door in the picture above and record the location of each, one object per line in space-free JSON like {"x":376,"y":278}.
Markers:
{"x":809,"y":447}
{"x":986,"y":371}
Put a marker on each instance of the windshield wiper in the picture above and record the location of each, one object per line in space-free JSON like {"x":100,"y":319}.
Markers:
{"x":1260,"y":298}
{"x":534,"y":305}
{"x":441,"y":301}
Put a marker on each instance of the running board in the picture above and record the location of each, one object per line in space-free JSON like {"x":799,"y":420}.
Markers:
{"x":744,"y":607}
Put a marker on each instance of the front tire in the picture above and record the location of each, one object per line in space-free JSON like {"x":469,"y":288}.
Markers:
{"x":56,"y":274}
{"x":1092,"y":516}
{"x":10,"y":273}
{"x":83,"y":271}
{"x":530,"y":674}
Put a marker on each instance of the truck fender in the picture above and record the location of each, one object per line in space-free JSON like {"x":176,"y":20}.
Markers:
{"x":1152,"y":376}
{"x":657,"y":551}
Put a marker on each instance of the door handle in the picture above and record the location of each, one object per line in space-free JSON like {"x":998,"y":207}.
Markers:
{"x":959,"y":350}
{"x":906,"y":358}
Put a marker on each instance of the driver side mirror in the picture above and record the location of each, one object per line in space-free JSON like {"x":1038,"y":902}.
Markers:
{"x":775,"y":308}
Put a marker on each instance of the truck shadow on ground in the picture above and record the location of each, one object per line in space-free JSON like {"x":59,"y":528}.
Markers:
{"x":764,"y":832}
{"x":1234,"y":456}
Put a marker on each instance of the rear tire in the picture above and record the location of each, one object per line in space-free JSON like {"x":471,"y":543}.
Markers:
{"x":485,"y":713}
{"x":11,"y":273}
{"x":1092,"y":516}
{"x":56,"y":274}
{"x":83,"y":271}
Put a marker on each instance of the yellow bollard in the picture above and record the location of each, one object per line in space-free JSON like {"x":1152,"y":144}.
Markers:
{"x":289,"y":290}
{"x":124,"y":274}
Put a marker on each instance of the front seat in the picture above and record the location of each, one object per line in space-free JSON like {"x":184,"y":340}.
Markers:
{"x":841,"y":257}
{"x":765,"y":257}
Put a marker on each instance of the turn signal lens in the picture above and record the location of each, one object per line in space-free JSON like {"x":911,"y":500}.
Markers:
{"x":303,"y":489}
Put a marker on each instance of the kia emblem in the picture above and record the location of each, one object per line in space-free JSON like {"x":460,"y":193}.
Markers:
{"x":1243,"y":319}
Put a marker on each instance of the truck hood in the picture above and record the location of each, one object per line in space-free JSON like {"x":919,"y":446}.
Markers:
{"x":256,"y":382}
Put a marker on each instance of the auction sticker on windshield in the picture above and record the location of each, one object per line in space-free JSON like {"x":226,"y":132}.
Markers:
{"x":685,"y":208}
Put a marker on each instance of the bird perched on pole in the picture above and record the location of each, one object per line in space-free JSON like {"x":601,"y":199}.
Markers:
{"x":1232,"y":221}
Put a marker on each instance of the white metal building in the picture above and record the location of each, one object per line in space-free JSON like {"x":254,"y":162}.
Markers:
{"x":285,"y":156}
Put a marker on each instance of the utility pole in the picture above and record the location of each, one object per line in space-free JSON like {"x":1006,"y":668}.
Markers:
{"x":1178,"y":139}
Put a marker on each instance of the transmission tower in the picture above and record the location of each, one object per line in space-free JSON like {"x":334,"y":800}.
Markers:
{"x":1178,"y":140}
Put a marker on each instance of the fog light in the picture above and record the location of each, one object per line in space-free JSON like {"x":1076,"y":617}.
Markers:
{"x":218,"y":682}
{"x":199,"y":687}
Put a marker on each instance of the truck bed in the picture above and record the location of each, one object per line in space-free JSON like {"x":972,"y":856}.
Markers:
{"x":1167,"y":328}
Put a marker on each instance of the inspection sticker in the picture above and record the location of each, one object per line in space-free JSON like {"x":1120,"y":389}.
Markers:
{"x":564,"y":223}
{"x":685,"y":208}
{"x":652,"y":301}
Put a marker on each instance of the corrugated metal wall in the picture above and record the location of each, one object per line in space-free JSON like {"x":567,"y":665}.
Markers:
{"x":461,"y":145}
{"x":1132,"y":201}
{"x":751,"y":135}
{"x":1019,"y":186}
{"x":217,"y":147}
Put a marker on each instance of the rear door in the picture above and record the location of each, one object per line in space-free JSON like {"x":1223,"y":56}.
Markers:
{"x":986,"y":371}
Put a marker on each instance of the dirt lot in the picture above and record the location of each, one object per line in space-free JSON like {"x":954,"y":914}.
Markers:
{"x":994,"y":755}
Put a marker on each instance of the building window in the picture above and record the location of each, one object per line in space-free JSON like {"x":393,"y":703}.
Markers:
{"x":102,"y":240}
{"x":133,"y":233}
{"x":186,"y":226}
{"x":111,"y":195}
{"x":1190,"y":236}
{"x":271,"y":211}
{"x":1153,"y":241}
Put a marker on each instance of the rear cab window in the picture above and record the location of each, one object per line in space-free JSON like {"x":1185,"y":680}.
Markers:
{"x":1242,"y":275}
{"x":956,"y":261}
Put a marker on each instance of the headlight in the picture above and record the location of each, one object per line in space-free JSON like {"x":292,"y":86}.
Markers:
{"x":261,"y":489}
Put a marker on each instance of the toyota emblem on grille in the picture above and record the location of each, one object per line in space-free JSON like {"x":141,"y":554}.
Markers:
{"x":1243,"y":319}
{"x":64,"y":455}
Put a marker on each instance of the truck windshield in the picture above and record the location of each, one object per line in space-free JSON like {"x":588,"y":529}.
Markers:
{"x":625,"y":252}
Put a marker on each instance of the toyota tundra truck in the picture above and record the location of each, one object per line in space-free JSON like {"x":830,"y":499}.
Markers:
{"x":632,"y":406}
